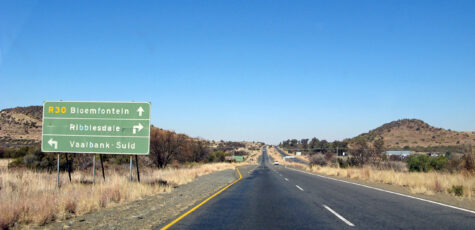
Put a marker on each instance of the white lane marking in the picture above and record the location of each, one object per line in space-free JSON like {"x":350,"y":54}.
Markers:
{"x":339,"y":216}
{"x":286,"y":179}
{"x":299,"y":187}
{"x":394,"y":193}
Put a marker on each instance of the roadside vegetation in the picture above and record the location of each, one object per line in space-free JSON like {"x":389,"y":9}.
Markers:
{"x":29,"y":192}
{"x":450,"y":173}
{"x":31,"y":197}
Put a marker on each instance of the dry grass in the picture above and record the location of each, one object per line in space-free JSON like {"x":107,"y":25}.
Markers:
{"x":32,"y":197}
{"x":4,"y":163}
{"x":417,"y":182}
{"x":253,"y":156}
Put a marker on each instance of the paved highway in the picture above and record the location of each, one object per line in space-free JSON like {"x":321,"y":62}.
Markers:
{"x":298,"y":160}
{"x":275,"y":197}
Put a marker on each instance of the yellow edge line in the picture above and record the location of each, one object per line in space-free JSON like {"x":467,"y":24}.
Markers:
{"x":197,"y":206}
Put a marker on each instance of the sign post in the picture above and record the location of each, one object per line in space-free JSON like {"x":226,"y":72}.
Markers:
{"x":69,"y":167}
{"x":102,"y":166}
{"x":57,"y":179}
{"x":96,"y":127}
{"x":130,"y":168}
{"x":93,"y":169}
{"x":137,"y":165}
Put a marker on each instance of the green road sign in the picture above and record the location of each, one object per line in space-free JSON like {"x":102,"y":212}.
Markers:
{"x":96,"y":127}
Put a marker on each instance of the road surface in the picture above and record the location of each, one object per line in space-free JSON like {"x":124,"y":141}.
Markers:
{"x":298,"y":160}
{"x":275,"y":197}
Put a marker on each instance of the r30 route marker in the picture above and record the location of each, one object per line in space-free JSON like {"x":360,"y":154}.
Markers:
{"x":96,"y":127}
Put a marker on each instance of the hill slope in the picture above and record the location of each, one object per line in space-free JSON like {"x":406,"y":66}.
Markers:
{"x":20,"y":126}
{"x":417,"y":133}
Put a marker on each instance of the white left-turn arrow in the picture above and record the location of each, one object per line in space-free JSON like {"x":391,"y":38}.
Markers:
{"x":51,"y":143}
{"x":137,"y":127}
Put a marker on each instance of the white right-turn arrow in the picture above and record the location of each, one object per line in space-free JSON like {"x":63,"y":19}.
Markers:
{"x":135,"y":127}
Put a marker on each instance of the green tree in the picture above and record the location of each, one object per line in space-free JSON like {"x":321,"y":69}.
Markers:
{"x":304,"y":143}
{"x":314,"y":143}
{"x":360,"y":152}
{"x":324,"y":146}
{"x":293,"y":143}
{"x":379,"y":146}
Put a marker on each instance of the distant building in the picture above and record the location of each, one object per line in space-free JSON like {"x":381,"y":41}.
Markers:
{"x":403,"y":153}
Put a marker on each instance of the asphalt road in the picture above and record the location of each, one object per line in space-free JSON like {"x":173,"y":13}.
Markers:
{"x":298,"y":160}
{"x":275,"y":197}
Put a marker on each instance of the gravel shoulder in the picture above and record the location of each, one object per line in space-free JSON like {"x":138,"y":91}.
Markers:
{"x":152,"y":211}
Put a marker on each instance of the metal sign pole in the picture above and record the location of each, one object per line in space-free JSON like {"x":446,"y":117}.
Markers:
{"x":57,"y":179}
{"x":137,"y":164}
{"x":130,"y":168}
{"x":93,"y":169}
{"x":102,"y":166}
{"x":69,"y":167}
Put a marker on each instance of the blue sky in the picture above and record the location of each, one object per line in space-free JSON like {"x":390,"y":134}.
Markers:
{"x":248,"y":70}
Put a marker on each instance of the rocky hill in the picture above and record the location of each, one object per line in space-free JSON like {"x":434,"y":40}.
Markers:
{"x":417,"y":133}
{"x":20,"y":126}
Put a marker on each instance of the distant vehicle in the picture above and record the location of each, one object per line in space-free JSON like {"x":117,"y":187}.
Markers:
{"x":276,"y":163}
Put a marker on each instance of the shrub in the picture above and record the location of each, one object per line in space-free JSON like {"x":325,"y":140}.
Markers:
{"x":31,"y":161}
{"x":353,"y":161}
{"x":342,"y":163}
{"x":329,"y":156}
{"x":438,"y":163}
{"x":424,"y":163}
{"x":418,"y":163}
{"x":216,"y":156}
{"x":395,"y":158}
{"x":469,"y":160}
{"x":456,"y":190}
{"x":318,"y":159}
{"x":241,"y":153}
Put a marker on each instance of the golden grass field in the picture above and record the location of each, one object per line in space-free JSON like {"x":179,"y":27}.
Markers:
{"x":4,"y":163}
{"x":428,"y":183}
{"x":33,"y":198}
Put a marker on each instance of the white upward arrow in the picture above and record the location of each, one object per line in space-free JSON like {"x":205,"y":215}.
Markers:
{"x":51,"y":143}
{"x":135,"y":127}
{"x":140,"y":110}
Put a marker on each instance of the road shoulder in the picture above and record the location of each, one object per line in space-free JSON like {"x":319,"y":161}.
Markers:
{"x":244,"y":171}
{"x":151,"y":211}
